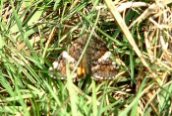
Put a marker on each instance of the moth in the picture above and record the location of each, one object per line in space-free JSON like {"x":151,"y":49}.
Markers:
{"x":96,"y":60}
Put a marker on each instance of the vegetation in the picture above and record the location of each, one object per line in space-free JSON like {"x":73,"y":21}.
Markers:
{"x":34,"y":33}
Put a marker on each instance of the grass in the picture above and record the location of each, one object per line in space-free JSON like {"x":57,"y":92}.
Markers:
{"x":34,"y":33}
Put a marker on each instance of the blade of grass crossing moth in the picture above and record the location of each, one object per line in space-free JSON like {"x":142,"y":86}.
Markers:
{"x":87,"y":43}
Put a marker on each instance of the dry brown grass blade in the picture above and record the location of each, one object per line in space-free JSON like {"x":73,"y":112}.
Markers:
{"x":50,"y":38}
{"x":166,"y":2}
{"x":152,"y":9}
{"x":123,"y":6}
{"x":126,"y":31}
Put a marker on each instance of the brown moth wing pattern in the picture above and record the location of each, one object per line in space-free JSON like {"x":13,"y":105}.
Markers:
{"x":90,"y":62}
{"x":103,"y":70}
{"x":60,"y":64}
{"x":75,"y":51}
